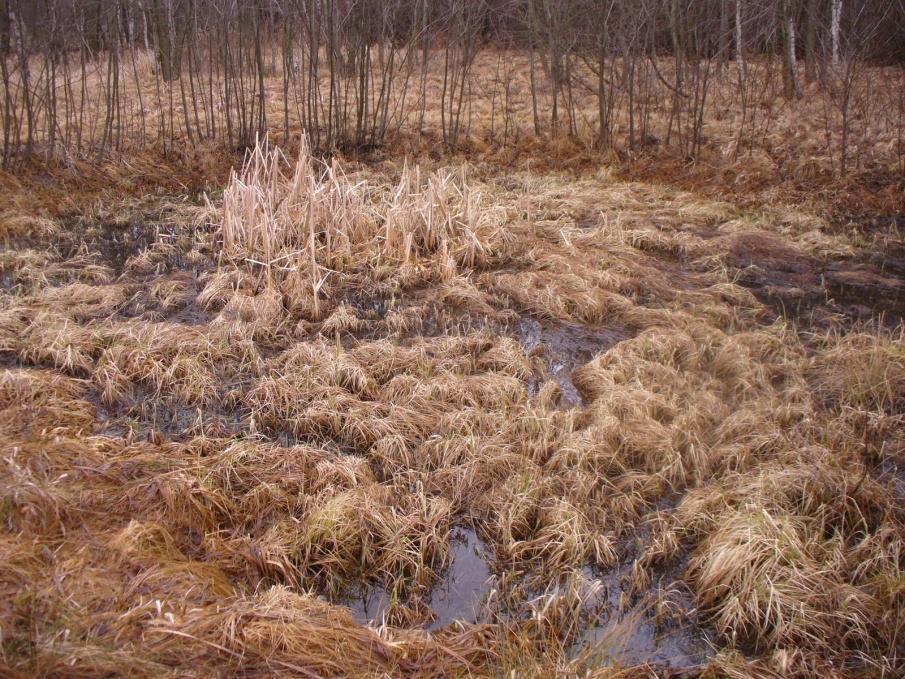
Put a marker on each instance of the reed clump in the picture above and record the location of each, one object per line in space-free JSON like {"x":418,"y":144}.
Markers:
{"x":306,"y":227}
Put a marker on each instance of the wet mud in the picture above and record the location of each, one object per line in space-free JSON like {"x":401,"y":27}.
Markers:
{"x":120,"y":245}
{"x":867,"y":286}
{"x":145,"y":415}
{"x":563,"y":347}
{"x":117,"y":243}
{"x":873,"y":283}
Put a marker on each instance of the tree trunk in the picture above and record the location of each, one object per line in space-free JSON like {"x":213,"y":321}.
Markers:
{"x":740,"y":45}
{"x":835,"y":21}
{"x":811,"y":18}
{"x":724,"y":38}
{"x":791,"y":83}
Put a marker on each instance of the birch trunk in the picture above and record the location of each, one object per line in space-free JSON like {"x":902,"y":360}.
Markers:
{"x":835,"y":20}
{"x":740,"y":45}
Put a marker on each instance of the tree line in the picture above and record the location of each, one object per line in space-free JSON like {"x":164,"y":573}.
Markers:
{"x":87,"y":77}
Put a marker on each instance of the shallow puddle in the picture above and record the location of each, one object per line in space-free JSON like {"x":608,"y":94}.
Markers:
{"x":565,"y":347}
{"x":631,"y":631}
{"x":458,"y":596}
{"x":369,"y":604}
{"x":636,"y":640}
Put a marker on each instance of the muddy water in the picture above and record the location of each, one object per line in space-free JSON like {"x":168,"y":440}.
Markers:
{"x":875,"y":282}
{"x":617,"y":635}
{"x":620,"y":630}
{"x":868,"y":285}
{"x":561,"y":347}
{"x":116,"y":242}
{"x":461,"y":593}
{"x":565,"y":347}
{"x":630,"y":632}
{"x":457,"y":597}
{"x":369,"y":604}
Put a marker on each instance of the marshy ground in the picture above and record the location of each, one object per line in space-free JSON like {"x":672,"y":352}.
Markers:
{"x":350,"y":418}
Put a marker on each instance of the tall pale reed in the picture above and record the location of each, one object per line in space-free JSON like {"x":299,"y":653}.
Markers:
{"x":309,"y":217}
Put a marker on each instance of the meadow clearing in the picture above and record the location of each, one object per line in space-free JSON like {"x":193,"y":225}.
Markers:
{"x":521,"y":407}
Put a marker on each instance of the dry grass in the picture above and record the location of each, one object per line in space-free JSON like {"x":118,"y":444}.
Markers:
{"x":305,"y":389}
{"x":304,"y":228}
